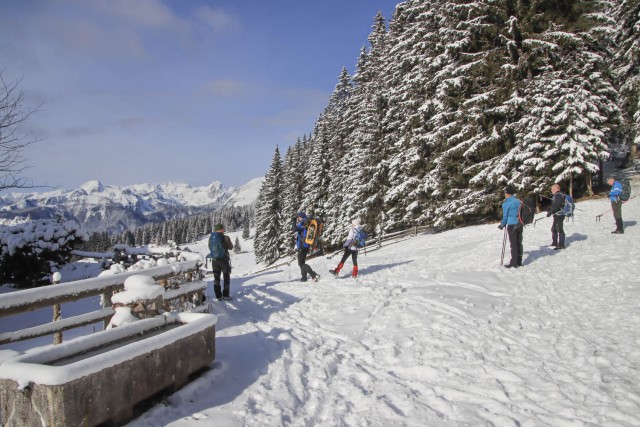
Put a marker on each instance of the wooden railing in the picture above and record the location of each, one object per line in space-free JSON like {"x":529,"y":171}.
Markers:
{"x":184,"y":276}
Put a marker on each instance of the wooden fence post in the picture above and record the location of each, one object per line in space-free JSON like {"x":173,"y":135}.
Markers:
{"x":106,"y":303}
{"x":57,"y":313}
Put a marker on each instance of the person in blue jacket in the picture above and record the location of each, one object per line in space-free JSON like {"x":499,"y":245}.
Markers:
{"x":616,"y":204}
{"x":510,"y":208}
{"x":302,"y":247}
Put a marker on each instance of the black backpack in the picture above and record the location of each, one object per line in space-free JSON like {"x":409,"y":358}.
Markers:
{"x":526,"y":211}
{"x":626,"y":190}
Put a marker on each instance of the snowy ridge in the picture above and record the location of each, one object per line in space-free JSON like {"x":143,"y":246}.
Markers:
{"x":115,"y":208}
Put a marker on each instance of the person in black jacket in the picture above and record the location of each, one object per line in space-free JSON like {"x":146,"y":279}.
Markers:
{"x":221,"y":264}
{"x":557,"y":210}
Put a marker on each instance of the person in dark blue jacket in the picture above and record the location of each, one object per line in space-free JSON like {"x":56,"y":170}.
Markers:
{"x":557,"y":210}
{"x":302,"y":247}
{"x":221,"y":264}
{"x":510,"y":208}
{"x":616,"y":204}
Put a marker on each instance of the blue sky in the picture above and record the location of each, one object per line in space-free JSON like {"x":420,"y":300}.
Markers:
{"x":191,"y":91}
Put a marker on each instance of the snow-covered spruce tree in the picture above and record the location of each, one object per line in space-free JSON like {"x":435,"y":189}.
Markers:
{"x":571,"y":101}
{"x":627,"y":72}
{"x":245,"y":229}
{"x":410,"y":70}
{"x":316,"y":176}
{"x":337,"y":205}
{"x":268,"y":243}
{"x":30,"y":251}
{"x":370,"y":161}
{"x":462,"y":124}
{"x":493,"y":50}
{"x":293,"y":184}
{"x":236,"y":246}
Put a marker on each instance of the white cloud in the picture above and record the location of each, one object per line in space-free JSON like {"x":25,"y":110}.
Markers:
{"x":216,"y":19}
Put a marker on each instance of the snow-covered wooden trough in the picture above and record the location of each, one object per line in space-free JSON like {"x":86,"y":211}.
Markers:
{"x":100,"y":378}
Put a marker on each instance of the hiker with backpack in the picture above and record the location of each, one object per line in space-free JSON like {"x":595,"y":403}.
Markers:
{"x":300,"y":227}
{"x":219,"y":247}
{"x":558,"y":212}
{"x":616,"y":204}
{"x":510,"y":209}
{"x":355,"y":240}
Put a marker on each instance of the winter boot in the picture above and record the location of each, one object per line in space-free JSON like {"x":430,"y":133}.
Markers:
{"x":337,"y":270}
{"x":354,"y":273}
{"x":218,"y":290}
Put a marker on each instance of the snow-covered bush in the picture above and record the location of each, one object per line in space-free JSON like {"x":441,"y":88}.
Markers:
{"x":29,"y":251}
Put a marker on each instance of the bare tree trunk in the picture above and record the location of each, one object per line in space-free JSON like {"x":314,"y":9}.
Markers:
{"x":588,"y":179}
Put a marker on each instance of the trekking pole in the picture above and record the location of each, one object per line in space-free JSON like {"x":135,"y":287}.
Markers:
{"x":335,"y":253}
{"x":271,"y":267}
{"x":599,"y":217}
{"x":504,"y":243}
{"x":539,"y":219}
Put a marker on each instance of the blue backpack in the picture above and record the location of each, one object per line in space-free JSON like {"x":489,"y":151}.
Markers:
{"x":569,"y":206}
{"x":216,"y":246}
{"x":360,"y":240}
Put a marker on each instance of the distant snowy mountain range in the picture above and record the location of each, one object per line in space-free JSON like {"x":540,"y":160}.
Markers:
{"x":98,"y":207}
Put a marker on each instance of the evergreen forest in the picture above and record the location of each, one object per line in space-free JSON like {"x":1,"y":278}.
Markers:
{"x":450,"y":101}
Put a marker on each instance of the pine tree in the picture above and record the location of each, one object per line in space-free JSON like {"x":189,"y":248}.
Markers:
{"x":627,"y":72}
{"x":369,"y":162}
{"x":245,"y":230}
{"x":268,"y":244}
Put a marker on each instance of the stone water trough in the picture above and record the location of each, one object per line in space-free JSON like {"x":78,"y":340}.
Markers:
{"x":97,"y":380}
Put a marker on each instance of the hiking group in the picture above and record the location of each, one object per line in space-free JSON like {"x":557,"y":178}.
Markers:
{"x":517,"y":213}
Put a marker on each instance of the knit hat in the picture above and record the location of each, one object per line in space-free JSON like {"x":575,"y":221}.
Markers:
{"x":301,"y":215}
{"x":510,"y":190}
{"x":218,"y":227}
{"x":355,"y":222}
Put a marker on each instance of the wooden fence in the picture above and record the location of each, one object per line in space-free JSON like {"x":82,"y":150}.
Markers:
{"x":182,"y":281}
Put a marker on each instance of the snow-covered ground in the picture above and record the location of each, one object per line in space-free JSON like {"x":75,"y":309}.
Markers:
{"x":434,"y":332}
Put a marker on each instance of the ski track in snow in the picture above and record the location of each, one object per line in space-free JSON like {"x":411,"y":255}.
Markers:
{"x":434,"y":332}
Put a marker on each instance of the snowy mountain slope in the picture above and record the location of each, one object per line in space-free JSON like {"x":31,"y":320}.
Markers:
{"x":105,"y":207}
{"x":246,"y":194}
{"x":435,"y":332}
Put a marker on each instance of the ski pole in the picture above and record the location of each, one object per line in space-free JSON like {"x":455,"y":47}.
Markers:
{"x":504,"y":243}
